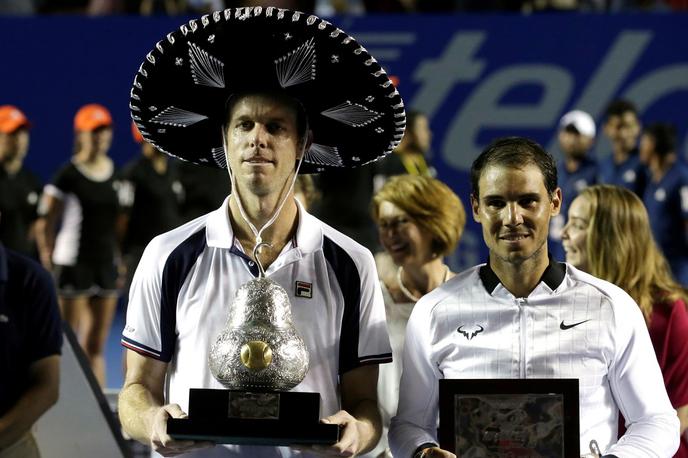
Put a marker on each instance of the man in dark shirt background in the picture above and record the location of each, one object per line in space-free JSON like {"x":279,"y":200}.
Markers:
{"x":205,"y":188}
{"x":30,"y":346}
{"x":19,"y":188}
{"x":622,"y":167}
{"x":151,"y":193}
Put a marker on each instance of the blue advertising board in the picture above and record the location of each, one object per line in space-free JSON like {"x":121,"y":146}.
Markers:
{"x":477,"y":77}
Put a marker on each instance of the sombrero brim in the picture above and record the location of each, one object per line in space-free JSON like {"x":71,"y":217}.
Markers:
{"x":178,"y":100}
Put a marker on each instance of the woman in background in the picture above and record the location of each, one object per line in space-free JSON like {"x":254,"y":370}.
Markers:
{"x":420,"y":220}
{"x":608,"y":235}
{"x":82,"y":201}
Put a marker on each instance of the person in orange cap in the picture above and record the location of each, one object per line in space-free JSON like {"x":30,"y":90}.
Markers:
{"x":83,"y":195}
{"x":19,"y":187}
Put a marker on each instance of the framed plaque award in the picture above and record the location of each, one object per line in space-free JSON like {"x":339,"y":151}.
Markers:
{"x":509,"y":417}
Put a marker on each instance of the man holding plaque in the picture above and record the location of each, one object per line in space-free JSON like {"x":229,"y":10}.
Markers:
{"x":266,"y":93}
{"x":524,"y":315}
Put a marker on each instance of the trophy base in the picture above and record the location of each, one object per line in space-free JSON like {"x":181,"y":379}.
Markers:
{"x":253,"y":418}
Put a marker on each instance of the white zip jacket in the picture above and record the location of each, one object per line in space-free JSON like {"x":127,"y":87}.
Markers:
{"x":572,"y":325}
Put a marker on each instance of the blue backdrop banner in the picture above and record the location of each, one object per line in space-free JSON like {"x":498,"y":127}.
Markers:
{"x":477,"y":77}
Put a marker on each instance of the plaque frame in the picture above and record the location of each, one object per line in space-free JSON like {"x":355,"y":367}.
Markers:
{"x":557,"y":393}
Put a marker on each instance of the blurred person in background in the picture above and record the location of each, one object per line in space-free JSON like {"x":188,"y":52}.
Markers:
{"x":305,"y":191}
{"x":82,"y":201}
{"x":575,"y":172}
{"x":17,"y":7}
{"x":19,"y":188}
{"x":345,"y":203}
{"x":420,"y":220}
{"x":608,"y":235}
{"x":666,"y":196}
{"x":412,"y":153}
{"x":30,"y":347}
{"x":623,"y":167}
{"x":150,"y":193}
{"x":306,"y":6}
{"x":205,"y":189}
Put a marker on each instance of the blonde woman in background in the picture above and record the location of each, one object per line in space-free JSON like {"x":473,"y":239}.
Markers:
{"x":419,"y":220}
{"x":608,"y":235}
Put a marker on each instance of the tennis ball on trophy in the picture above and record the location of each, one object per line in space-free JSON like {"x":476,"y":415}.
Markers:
{"x":256,"y":355}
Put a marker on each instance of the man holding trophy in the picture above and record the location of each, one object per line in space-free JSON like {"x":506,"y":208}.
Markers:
{"x":258,"y":296}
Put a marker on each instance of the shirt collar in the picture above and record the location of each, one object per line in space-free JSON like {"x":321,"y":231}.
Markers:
{"x":3,"y":264}
{"x":552,"y":276}
{"x":219,"y":233}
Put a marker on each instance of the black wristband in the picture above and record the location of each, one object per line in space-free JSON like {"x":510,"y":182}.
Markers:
{"x":419,"y":451}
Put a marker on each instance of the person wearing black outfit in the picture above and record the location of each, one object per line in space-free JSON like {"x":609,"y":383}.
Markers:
{"x":151,"y":194}
{"x":19,"y":187}
{"x":82,"y":200}
{"x":204,"y":188}
{"x":30,"y":346}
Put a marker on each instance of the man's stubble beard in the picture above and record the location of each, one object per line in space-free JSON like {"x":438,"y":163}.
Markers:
{"x":521,"y":260}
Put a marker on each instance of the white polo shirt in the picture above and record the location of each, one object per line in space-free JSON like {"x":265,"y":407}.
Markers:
{"x":572,"y":325}
{"x":185,"y":284}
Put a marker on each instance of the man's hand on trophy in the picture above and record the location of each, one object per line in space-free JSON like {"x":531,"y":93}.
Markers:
{"x":350,"y":436}
{"x":165,"y":445}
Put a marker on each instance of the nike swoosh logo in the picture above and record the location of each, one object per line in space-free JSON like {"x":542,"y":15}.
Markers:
{"x":564,"y":327}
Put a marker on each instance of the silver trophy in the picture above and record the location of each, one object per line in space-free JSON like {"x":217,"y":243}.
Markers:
{"x":258,"y":357}
{"x":259,"y":348}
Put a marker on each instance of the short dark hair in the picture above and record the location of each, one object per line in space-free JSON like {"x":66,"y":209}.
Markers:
{"x":515,"y":152}
{"x":296,"y":105}
{"x":664,"y":136}
{"x":411,"y":117}
{"x":618,"y":107}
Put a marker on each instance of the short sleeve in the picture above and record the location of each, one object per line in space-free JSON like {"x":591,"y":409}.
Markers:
{"x":373,"y":341}
{"x":61,"y":184}
{"x":44,"y":319}
{"x":364,"y":338}
{"x":143,"y":330}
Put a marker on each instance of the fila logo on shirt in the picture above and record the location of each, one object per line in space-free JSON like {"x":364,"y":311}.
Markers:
{"x":470,"y":331}
{"x":304,"y":289}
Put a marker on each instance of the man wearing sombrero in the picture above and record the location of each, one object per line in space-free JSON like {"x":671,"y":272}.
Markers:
{"x":267,"y":93}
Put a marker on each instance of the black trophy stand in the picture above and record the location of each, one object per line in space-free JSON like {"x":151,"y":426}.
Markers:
{"x":253,"y":418}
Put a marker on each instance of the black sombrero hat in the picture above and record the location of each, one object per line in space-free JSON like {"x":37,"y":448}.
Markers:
{"x":179,"y":96}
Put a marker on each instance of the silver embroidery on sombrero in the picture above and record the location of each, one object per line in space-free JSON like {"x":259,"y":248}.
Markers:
{"x":206,"y":69}
{"x":352,"y":114}
{"x":323,"y":155}
{"x":173,"y":116}
{"x":219,"y":157}
{"x":297,"y":66}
